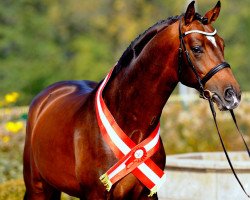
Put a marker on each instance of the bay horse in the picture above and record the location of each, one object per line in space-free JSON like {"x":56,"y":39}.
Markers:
{"x":64,"y":149}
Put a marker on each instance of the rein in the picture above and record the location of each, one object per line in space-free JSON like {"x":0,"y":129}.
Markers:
{"x":206,"y":94}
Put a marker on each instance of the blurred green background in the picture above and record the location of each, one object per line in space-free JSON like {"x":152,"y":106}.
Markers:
{"x":45,"y":41}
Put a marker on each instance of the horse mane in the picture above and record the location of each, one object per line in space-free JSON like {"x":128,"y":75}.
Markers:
{"x":136,"y":46}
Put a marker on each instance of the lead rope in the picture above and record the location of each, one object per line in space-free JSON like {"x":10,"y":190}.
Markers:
{"x":222,"y":143}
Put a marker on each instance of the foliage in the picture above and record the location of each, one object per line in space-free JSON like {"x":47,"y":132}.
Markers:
{"x":43,"y":41}
{"x":12,"y":126}
{"x":193,"y":129}
{"x":14,"y":190}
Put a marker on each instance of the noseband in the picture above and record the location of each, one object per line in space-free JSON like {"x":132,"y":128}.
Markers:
{"x":202,"y":81}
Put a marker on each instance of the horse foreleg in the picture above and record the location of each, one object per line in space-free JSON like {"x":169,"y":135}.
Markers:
{"x":36,"y":187}
{"x":146,"y":197}
{"x":39,"y":190}
{"x":45,"y":195}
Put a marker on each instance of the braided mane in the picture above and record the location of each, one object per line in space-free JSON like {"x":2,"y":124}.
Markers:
{"x":140,"y":42}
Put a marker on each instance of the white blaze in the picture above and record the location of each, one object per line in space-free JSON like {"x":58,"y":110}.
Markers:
{"x":212,"y":39}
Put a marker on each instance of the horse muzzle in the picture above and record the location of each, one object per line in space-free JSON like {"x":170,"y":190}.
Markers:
{"x":228,"y":101}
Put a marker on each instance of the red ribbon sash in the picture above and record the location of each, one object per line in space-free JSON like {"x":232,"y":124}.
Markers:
{"x":133,"y":158}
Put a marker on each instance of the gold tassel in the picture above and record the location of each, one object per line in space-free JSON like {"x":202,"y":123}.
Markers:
{"x":152,"y":191}
{"x":106,"y":182}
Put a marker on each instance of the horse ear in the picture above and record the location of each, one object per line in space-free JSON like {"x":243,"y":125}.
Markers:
{"x":190,"y":12}
{"x":213,"y":14}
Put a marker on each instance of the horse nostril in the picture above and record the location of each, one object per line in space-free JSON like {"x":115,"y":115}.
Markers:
{"x":229,"y":94}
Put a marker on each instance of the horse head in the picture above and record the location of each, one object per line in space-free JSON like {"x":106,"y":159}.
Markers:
{"x":201,"y":59}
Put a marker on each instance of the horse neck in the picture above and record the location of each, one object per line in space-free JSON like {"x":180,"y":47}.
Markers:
{"x":138,"y":93}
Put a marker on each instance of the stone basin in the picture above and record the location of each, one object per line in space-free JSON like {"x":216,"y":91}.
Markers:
{"x":205,"y":176}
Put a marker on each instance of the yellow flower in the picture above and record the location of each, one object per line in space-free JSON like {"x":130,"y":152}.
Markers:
{"x":6,"y":139}
{"x":14,"y":127}
{"x":11,"y":97}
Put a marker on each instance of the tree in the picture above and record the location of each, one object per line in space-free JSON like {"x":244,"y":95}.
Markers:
{"x":44,"y":41}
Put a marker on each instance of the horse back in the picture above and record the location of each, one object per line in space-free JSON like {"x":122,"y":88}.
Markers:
{"x":64,"y":89}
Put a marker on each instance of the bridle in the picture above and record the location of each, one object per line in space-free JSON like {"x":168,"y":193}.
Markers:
{"x":206,"y":94}
{"x":182,"y":48}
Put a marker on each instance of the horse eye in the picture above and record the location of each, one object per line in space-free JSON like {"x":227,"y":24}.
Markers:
{"x":197,"y":49}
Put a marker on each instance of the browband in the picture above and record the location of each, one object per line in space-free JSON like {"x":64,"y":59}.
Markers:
{"x":200,"y":32}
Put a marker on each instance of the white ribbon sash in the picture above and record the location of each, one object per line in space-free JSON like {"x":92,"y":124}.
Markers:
{"x":133,"y":158}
